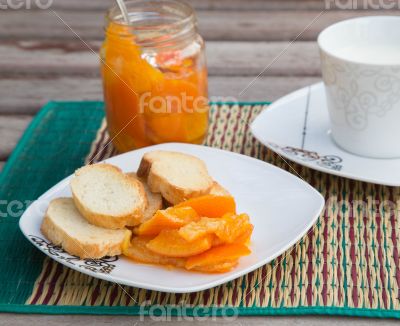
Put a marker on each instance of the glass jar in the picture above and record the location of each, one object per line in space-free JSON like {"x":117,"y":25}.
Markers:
{"x":154,"y":75}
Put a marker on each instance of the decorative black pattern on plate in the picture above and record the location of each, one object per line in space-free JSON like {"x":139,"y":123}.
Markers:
{"x":327,"y":161}
{"x":102,"y":265}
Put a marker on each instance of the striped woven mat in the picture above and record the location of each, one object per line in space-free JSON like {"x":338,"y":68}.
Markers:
{"x":348,"y":264}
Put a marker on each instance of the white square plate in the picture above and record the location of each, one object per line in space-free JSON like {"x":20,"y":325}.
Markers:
{"x":281,"y":206}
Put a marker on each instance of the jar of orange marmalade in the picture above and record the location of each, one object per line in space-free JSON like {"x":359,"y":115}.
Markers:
{"x":154,"y":75}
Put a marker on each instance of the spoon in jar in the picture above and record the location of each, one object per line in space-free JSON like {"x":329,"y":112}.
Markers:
{"x":124,"y":11}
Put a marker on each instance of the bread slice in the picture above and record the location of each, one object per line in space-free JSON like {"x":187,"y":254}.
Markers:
{"x":154,"y":202}
{"x":64,"y":226}
{"x":107,"y":197}
{"x":218,"y":190}
{"x":177,"y":176}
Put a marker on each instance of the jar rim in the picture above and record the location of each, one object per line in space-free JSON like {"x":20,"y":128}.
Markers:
{"x":143,"y":14}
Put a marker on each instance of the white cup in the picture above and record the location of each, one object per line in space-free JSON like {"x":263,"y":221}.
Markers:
{"x":360,"y":60}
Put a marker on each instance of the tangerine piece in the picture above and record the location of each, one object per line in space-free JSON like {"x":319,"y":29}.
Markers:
{"x":234,"y":226}
{"x":125,"y":77}
{"x":175,"y":111}
{"x":204,"y":226}
{"x":217,"y":256}
{"x":123,"y":60}
{"x":218,"y":268}
{"x":138,"y":251}
{"x":244,"y":238}
{"x":211,"y":205}
{"x":127,"y":240}
{"x":170,"y":218}
{"x":216,"y":241}
{"x":169,"y":243}
{"x":228,"y":229}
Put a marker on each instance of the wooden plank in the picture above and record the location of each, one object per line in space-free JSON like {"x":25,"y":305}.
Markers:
{"x":103,"y":5}
{"x":43,"y":58}
{"x":24,"y":58}
{"x":274,"y":58}
{"x":84,"y":320}
{"x":275,"y":25}
{"x":261,"y":89}
{"x":214,"y":25}
{"x":289,"y":4}
{"x":35,"y":92}
{"x":258,"y":4}
{"x":11,"y":129}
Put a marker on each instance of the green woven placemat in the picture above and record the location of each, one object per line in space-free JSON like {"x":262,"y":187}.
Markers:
{"x":55,"y":143}
{"x":347,"y":265}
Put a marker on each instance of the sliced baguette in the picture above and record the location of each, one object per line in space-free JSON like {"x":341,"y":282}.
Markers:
{"x":107,"y":197}
{"x":177,"y":176}
{"x":64,"y":226}
{"x":154,"y":202}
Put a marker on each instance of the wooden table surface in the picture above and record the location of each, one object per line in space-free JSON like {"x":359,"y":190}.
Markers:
{"x":42,"y":59}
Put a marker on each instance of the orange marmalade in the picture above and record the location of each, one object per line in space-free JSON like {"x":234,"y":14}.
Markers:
{"x":154,"y":75}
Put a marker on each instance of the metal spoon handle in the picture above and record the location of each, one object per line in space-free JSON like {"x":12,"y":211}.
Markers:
{"x":124,"y":11}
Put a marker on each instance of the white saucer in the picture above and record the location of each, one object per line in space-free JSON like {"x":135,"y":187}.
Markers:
{"x":297,"y":127}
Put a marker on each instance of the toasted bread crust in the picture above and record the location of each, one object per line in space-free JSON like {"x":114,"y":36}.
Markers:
{"x":173,"y":194}
{"x":114,"y":221}
{"x":75,"y":247}
{"x":154,"y":201}
{"x":144,"y":167}
{"x":158,"y":182}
